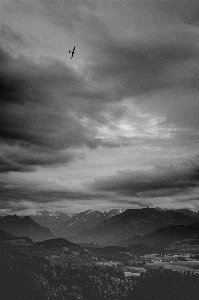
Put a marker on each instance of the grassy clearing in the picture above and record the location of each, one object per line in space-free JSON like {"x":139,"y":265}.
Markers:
{"x":181,"y":266}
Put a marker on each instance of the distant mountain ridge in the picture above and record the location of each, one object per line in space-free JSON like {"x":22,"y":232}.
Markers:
{"x":96,"y":227}
{"x":129,"y":223}
{"x":24,"y":226}
{"x":52,"y":220}
{"x":84,"y":221}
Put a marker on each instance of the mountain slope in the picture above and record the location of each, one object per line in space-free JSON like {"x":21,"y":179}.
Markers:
{"x":129,"y":223}
{"x":4,"y":235}
{"x":84,"y":221}
{"x":166,"y":236}
{"x":25,"y":226}
{"x":51,"y":220}
{"x":189,"y":212}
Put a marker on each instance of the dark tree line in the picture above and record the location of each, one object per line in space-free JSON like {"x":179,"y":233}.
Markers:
{"x":34,"y":278}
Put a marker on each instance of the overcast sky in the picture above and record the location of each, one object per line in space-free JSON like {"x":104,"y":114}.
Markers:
{"x":116,"y":126}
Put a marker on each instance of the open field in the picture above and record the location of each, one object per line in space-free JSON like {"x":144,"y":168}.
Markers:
{"x":110,"y":263}
{"x":181,"y":266}
{"x":131,"y":274}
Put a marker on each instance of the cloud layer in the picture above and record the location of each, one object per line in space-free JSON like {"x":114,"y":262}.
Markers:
{"x":132,"y":88}
{"x":41,"y":119}
{"x":158,"y":182}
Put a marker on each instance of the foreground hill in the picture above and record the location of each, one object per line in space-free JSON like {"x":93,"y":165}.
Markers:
{"x":172,"y":234}
{"x":33,"y":278}
{"x":179,"y":236}
{"x":129,"y":223}
{"x":4,"y":235}
{"x":84,"y":221}
{"x":25,"y":226}
{"x":57,"y":243}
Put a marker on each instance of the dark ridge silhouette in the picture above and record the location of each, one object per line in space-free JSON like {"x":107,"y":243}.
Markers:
{"x":25,"y":227}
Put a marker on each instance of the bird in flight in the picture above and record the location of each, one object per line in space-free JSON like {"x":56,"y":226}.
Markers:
{"x":72,"y":52}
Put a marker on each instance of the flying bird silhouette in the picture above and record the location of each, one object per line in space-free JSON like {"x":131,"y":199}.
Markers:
{"x":72,"y":52}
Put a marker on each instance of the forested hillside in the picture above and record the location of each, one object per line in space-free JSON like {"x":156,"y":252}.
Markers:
{"x":34,"y":278}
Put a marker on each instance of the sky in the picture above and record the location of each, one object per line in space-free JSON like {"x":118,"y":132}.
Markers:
{"x":116,"y":126}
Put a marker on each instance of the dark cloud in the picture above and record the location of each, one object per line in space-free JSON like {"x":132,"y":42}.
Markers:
{"x":6,"y":166}
{"x":160,"y":182}
{"x":188,"y":11}
{"x":76,"y":17}
{"x":4,"y":57}
{"x":16,"y":194}
{"x":19,"y":159}
{"x":139,"y":67}
{"x":41,"y":109}
{"x":44,"y":107}
{"x":63,"y":13}
{"x":8,"y":35}
{"x":158,"y":68}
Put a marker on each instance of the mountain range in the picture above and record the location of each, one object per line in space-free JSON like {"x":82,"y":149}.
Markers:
{"x":129,"y":223}
{"x":114,"y":227}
